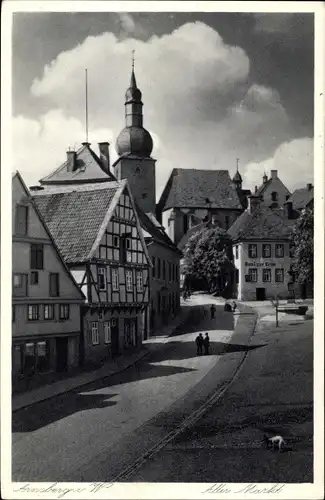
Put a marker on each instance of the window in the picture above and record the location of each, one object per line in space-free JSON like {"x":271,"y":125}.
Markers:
{"x":252,"y":273}
{"x":169,"y":271}
{"x":279,"y":250}
{"x":19,"y":285}
{"x":116,"y":242}
{"x":158,"y":268}
{"x":266,"y":250}
{"x":107,"y":332}
{"x":129,"y":283}
{"x":54,"y":285}
{"x":130,"y":333}
{"x":279,"y":275}
{"x":115,"y":283}
{"x":64,"y":311}
{"x":185,"y":224}
{"x":128,"y":243}
{"x":164,"y":269}
{"x":291,"y":250}
{"x":252,"y":250}
{"x":237,"y":251}
{"x":48,"y":311}
{"x":274,"y":196}
{"x":153,"y":267}
{"x":94,"y":333}
{"x":21,"y":221}
{"x":34,"y":278}
{"x":33,"y":312}
{"x":101,"y":276}
{"x":43,"y":356}
{"x":101,"y":315}
{"x":227,"y":221}
{"x":266,"y":275}
{"x":139,"y":281}
{"x":36,"y":256}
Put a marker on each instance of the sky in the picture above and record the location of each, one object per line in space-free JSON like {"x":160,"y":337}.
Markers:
{"x":215,"y":87}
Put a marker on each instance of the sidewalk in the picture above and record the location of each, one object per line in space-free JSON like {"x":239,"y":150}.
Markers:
{"x":120,"y":364}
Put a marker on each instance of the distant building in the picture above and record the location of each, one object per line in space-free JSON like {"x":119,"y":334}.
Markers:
{"x":262,"y":250}
{"x":46,"y":300}
{"x":242,"y":193}
{"x":273,"y":192}
{"x":97,"y":230}
{"x":303,"y":198}
{"x":192,"y":196}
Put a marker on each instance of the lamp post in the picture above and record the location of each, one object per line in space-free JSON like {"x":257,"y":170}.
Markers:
{"x":275,"y":304}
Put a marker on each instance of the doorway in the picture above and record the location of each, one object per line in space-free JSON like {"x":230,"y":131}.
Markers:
{"x":61,"y":354}
{"x":260,"y":293}
{"x":114,"y":337}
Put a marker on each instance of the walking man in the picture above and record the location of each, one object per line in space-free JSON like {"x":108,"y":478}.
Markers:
{"x":206,"y":343}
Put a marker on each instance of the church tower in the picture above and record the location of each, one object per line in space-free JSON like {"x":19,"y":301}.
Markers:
{"x":134,"y":146}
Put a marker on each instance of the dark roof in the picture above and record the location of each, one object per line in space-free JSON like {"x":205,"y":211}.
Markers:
{"x":263,"y":223}
{"x":199,"y":189}
{"x":75,"y":215}
{"x":300,"y":198}
{"x":88,"y":168}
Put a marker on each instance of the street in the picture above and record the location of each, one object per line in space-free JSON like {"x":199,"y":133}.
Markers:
{"x":175,"y":416}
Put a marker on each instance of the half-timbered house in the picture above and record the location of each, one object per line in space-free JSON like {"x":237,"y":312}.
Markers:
{"x":46,"y":300}
{"x":97,"y":230}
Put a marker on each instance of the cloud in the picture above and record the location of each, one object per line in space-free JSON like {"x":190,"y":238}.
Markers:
{"x":274,"y":23}
{"x":128,"y":25}
{"x":294,"y":161}
{"x":198,"y":105}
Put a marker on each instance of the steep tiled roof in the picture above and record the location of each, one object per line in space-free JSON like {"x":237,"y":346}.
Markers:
{"x":88,"y":168}
{"x":200,"y":189}
{"x":75,"y":214}
{"x":300,"y":198}
{"x":263,"y":223}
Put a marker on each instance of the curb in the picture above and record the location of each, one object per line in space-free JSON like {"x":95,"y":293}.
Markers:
{"x":99,"y":377}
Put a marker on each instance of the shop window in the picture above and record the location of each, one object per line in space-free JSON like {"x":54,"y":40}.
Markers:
{"x":48,"y":311}
{"x":101,"y":276}
{"x":266,"y":250}
{"x":279,"y":275}
{"x":94,"y":333}
{"x":36,"y":256}
{"x":266,"y":275}
{"x":64,"y":311}
{"x":30,"y":358}
{"x":115,"y":282}
{"x":33,"y":312}
{"x":19,"y":285}
{"x":279,"y":250}
{"x":21,"y":220}
{"x":54,"y":284}
{"x":129,"y":281}
{"x":252,"y":273}
{"x":252,"y":250}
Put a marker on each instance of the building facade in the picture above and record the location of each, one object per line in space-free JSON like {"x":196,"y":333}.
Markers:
{"x":46,"y":300}
{"x":262,"y":251}
{"x":98,"y":232}
{"x":272,"y":192}
{"x":192,"y":196}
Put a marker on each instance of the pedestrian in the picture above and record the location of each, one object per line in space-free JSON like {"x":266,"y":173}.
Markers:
{"x":206,"y":343}
{"x":212,"y":311}
{"x":199,"y":344}
{"x":234,"y":306}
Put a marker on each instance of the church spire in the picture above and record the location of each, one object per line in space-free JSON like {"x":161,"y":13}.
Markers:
{"x":133,"y":82}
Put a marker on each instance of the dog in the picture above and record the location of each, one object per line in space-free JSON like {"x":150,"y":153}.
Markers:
{"x":274,"y":441}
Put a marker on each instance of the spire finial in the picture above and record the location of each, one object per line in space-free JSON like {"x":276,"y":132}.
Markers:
{"x":237,"y":162}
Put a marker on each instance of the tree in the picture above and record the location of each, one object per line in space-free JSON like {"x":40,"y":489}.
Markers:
{"x":303,"y":247}
{"x":208,"y":256}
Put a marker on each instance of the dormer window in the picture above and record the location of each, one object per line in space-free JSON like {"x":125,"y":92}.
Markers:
{"x":274,"y":196}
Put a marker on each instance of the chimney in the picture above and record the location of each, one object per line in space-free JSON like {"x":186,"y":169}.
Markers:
{"x":253,"y":203}
{"x":104,"y":155}
{"x":71,"y":160}
{"x":274,"y":174}
{"x":289,"y":209}
{"x":309,"y":187}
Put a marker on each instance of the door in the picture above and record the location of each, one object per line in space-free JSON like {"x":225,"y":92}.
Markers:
{"x":260,"y":293}
{"x":114,"y":337}
{"x":61,"y":354}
